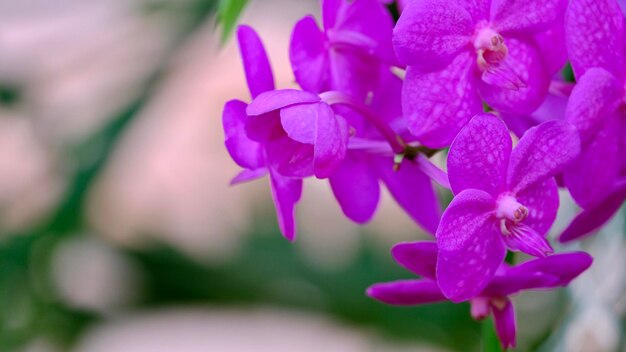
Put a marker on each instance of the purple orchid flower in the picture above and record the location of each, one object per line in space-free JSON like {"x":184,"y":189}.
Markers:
{"x":503,"y":199}
{"x":346,"y":56}
{"x":597,"y":106}
{"x":369,"y":160}
{"x":250,"y":154}
{"x":462,"y":52}
{"x":421,"y":258}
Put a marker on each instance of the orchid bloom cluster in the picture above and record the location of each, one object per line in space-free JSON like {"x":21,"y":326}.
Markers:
{"x":378,"y":98}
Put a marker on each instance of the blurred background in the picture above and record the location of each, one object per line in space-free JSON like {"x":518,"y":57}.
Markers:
{"x":119,"y":230}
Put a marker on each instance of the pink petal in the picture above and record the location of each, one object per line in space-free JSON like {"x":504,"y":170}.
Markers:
{"x":479,"y":156}
{"x":406,"y":292}
{"x":520,"y":83}
{"x":331,"y":141}
{"x":470,"y":245}
{"x":511,"y":283}
{"x":430,"y":33}
{"x":248,"y":175}
{"x":255,"y":62}
{"x":419,"y":257}
{"x":371,"y":20}
{"x":438,"y":104}
{"x":595,"y":96}
{"x":412,"y":190}
{"x":523,"y":238}
{"x":299,"y":121}
{"x":565,"y":267}
{"x":595,"y":31}
{"x":590,"y":177}
{"x":525,"y":15}
{"x":592,"y":219}
{"x":543,"y":152}
{"x":308,"y":55}
{"x":479,"y":9}
{"x":356,"y":188}
{"x":542,"y":202}
{"x":551,"y":44}
{"x":353,"y":74}
{"x":330,"y":10}
{"x":244,"y":151}
{"x":276,"y":99}
{"x":504,"y":321}
{"x":290,"y":158}
{"x":286,"y":193}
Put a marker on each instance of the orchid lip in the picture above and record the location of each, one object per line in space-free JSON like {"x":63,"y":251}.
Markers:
{"x":508,"y":208}
{"x":490,"y":48}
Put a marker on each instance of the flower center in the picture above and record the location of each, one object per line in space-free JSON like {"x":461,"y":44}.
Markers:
{"x":510,"y":212}
{"x":490,"y":48}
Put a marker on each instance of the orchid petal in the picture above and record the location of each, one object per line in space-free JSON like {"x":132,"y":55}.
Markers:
{"x":277,"y":99}
{"x":522,"y":237}
{"x":286,"y":193}
{"x":525,"y":15}
{"x":308,"y":55}
{"x":519,"y":84}
{"x":595,"y":34}
{"x":438,"y":104}
{"x":514,"y":282}
{"x":418,"y":257}
{"x":592,"y":219}
{"x":479,"y":156}
{"x":504,"y":321}
{"x":356,"y":188}
{"x":565,"y":267}
{"x":591,"y":177}
{"x":542,"y":152}
{"x":595,"y":96}
{"x":299,"y":122}
{"x":551,"y":44}
{"x":255,"y":62}
{"x":248,"y":175}
{"x":290,"y":158}
{"x":331,"y":141}
{"x":542,"y":202}
{"x":244,"y":151}
{"x":430,"y":33}
{"x":407,"y":185}
{"x":264,"y":128}
{"x":470,"y":245}
{"x":406,"y":292}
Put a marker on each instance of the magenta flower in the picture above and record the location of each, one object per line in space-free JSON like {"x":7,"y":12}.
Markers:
{"x":301,"y":133}
{"x":504,"y":199}
{"x":250,"y":154}
{"x":369,"y":160}
{"x":346,"y":56}
{"x":462,"y":52}
{"x":597,"y":106}
{"x":421,"y":258}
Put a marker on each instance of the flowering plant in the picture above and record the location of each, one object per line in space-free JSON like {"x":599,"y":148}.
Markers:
{"x":379,"y":98}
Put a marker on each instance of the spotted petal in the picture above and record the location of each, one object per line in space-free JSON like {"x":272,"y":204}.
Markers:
{"x":525,"y":15}
{"x":430,"y":33}
{"x":438,"y":104}
{"x":595,"y":34}
{"x":479,"y":156}
{"x":542,"y":152}
{"x":470,"y":245}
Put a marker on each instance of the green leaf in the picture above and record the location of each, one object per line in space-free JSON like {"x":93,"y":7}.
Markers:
{"x":228,"y":11}
{"x":491,"y":343}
